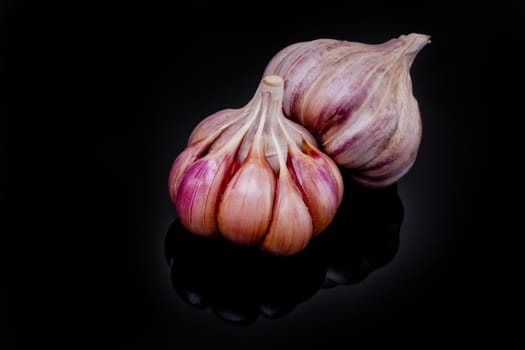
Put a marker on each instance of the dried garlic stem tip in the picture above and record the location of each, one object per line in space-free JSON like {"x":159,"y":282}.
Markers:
{"x":273,"y":80}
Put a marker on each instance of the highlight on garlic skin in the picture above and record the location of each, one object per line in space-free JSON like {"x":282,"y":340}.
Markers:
{"x":357,"y":100}
{"x":255,"y":177}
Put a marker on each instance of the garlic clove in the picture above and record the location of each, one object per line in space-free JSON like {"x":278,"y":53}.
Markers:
{"x":321,"y":186}
{"x":291,"y":226}
{"x":246,"y":205}
{"x":182,"y":164}
{"x":199,"y":193}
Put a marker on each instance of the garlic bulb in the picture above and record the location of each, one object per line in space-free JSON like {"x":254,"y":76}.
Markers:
{"x":357,"y":99}
{"x":255,"y":177}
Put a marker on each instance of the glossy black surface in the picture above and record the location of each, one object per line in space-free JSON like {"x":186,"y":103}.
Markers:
{"x":101,"y":98}
{"x":240,"y":283}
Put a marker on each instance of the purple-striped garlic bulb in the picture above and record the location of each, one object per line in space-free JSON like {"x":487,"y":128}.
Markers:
{"x":255,"y":177}
{"x":357,"y":100}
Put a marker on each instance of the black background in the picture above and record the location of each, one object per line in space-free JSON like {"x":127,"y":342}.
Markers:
{"x":101,"y":97}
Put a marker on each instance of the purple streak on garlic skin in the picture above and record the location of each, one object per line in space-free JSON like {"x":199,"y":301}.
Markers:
{"x":198,"y":194}
{"x":182,"y":164}
{"x":357,"y":99}
{"x":383,"y":181}
{"x":363,"y":145}
{"x":332,"y":119}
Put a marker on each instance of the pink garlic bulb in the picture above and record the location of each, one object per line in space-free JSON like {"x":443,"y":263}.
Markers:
{"x":357,"y":100}
{"x":255,"y":177}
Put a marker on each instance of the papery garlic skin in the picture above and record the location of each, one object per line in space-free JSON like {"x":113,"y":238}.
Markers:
{"x":256,"y":178}
{"x":357,"y":100}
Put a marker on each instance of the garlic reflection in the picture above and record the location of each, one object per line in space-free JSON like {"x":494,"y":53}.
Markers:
{"x":240,"y":293}
{"x":255,"y":177}
{"x":357,"y":99}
